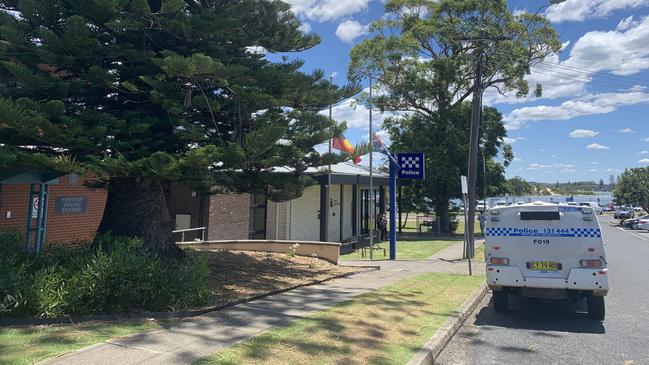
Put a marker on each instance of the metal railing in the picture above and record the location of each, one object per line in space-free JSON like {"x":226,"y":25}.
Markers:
{"x":183,"y":231}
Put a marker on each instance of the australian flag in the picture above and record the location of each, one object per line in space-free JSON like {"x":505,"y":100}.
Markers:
{"x":379,"y":146}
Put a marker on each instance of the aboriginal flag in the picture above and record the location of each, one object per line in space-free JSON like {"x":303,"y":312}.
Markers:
{"x":342,"y":144}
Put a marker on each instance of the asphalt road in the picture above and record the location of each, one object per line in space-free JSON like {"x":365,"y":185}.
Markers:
{"x":537,"y":332}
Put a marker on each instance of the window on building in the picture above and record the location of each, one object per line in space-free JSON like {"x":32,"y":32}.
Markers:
{"x":258,"y":205}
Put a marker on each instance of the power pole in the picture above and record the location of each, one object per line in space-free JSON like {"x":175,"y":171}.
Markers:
{"x":474,"y":139}
{"x":476,"y":114}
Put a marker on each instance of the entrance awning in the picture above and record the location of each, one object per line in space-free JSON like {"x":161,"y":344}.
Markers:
{"x":31,"y":177}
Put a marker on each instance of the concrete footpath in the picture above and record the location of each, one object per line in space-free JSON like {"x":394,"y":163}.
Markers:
{"x":193,"y":338}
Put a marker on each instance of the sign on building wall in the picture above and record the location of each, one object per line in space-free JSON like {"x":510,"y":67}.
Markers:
{"x":35,"y":207}
{"x":71,"y":204}
{"x":411,"y":165}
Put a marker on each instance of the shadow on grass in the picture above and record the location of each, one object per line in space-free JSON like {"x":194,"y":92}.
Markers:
{"x":376,"y":329}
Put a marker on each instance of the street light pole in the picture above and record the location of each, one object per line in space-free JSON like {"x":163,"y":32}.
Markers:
{"x":327,"y":210}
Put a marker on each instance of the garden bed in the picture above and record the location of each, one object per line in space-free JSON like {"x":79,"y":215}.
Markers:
{"x":235,"y":275}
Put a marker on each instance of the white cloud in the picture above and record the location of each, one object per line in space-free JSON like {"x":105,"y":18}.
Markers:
{"x":553,"y":86}
{"x":305,"y":27}
{"x":626,"y":23}
{"x":580,"y":10}
{"x":538,"y":166}
{"x":613,"y":170}
{"x":593,"y":170}
{"x":349,"y":30}
{"x":593,"y":163}
{"x":518,"y":159}
{"x":583,"y":133}
{"x":356,"y":115}
{"x":646,"y":139}
{"x":626,"y":130}
{"x":644,"y":160}
{"x":597,"y":146}
{"x":510,"y":140}
{"x":325,"y":10}
{"x":592,"y":104}
{"x":623,"y":51}
{"x":644,"y":152}
{"x":259,"y":50}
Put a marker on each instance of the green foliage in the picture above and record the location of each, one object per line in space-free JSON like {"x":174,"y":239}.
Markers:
{"x":114,"y":275}
{"x":519,"y":186}
{"x":443,"y":137}
{"x":632,"y":188}
{"x":417,"y":55}
{"x":163,"y":89}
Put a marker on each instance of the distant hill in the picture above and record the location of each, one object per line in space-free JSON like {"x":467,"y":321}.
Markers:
{"x":577,"y":188}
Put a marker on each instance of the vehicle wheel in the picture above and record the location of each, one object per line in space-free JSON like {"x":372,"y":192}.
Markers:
{"x":501,"y":301}
{"x":596,"y":308}
{"x":634,"y":226}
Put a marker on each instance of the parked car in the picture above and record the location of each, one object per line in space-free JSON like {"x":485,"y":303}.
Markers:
{"x":637,"y":209}
{"x":594,"y":205}
{"x":634,"y":222}
{"x":643,"y":224}
{"x":623,"y":213}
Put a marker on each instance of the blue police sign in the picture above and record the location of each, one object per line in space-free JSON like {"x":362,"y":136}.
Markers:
{"x":411,"y":165}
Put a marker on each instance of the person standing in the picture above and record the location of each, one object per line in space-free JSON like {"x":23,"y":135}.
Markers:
{"x":382,"y":225}
{"x":482,"y":218}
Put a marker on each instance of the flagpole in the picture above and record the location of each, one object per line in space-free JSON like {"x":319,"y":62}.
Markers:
{"x":328,"y":193}
{"x":372,"y":202}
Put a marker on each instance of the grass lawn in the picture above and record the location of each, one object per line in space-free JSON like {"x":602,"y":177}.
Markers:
{"x":479,"y":252}
{"x":460,"y":228}
{"x":28,"y":345}
{"x":405,"y":250}
{"x":387,"y":326}
{"x":411,"y":226}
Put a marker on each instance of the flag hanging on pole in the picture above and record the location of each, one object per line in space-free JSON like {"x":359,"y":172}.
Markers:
{"x":379,"y":146}
{"x":341,"y":143}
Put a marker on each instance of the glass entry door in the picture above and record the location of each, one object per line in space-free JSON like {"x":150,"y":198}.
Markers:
{"x":368,"y":216}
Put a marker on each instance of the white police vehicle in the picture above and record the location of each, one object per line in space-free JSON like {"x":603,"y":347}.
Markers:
{"x":546,"y":251}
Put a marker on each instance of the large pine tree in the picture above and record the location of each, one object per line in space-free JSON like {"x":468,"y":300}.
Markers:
{"x":147,"y":92}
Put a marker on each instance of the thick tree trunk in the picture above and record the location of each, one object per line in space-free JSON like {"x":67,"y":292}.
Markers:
{"x":442,"y":212}
{"x":138,"y":208}
{"x":403,"y":224}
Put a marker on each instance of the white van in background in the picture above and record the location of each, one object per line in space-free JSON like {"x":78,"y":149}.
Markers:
{"x":598,"y":210}
{"x":546,"y":251}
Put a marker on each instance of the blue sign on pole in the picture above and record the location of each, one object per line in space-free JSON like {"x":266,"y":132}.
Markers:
{"x":411,"y":165}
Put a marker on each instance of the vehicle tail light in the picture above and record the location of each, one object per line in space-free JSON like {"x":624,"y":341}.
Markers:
{"x":594,"y":264}
{"x":499,"y":261}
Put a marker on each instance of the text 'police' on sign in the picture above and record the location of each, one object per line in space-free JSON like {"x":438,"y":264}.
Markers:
{"x":411,"y":165}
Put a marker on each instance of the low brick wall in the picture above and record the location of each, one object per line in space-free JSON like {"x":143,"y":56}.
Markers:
{"x":328,"y":251}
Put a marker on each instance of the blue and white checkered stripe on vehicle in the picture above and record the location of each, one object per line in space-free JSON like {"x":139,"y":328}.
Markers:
{"x":551,"y":232}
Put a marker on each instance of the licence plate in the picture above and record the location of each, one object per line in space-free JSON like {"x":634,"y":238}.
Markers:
{"x":544,"y":266}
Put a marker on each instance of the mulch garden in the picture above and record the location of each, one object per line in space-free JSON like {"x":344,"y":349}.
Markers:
{"x":237,"y":275}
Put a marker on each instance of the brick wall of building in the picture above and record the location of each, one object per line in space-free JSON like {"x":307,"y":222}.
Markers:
{"x":229,"y":217}
{"x":61,"y":227}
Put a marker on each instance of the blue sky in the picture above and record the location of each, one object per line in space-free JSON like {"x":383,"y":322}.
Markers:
{"x":592,"y":121}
